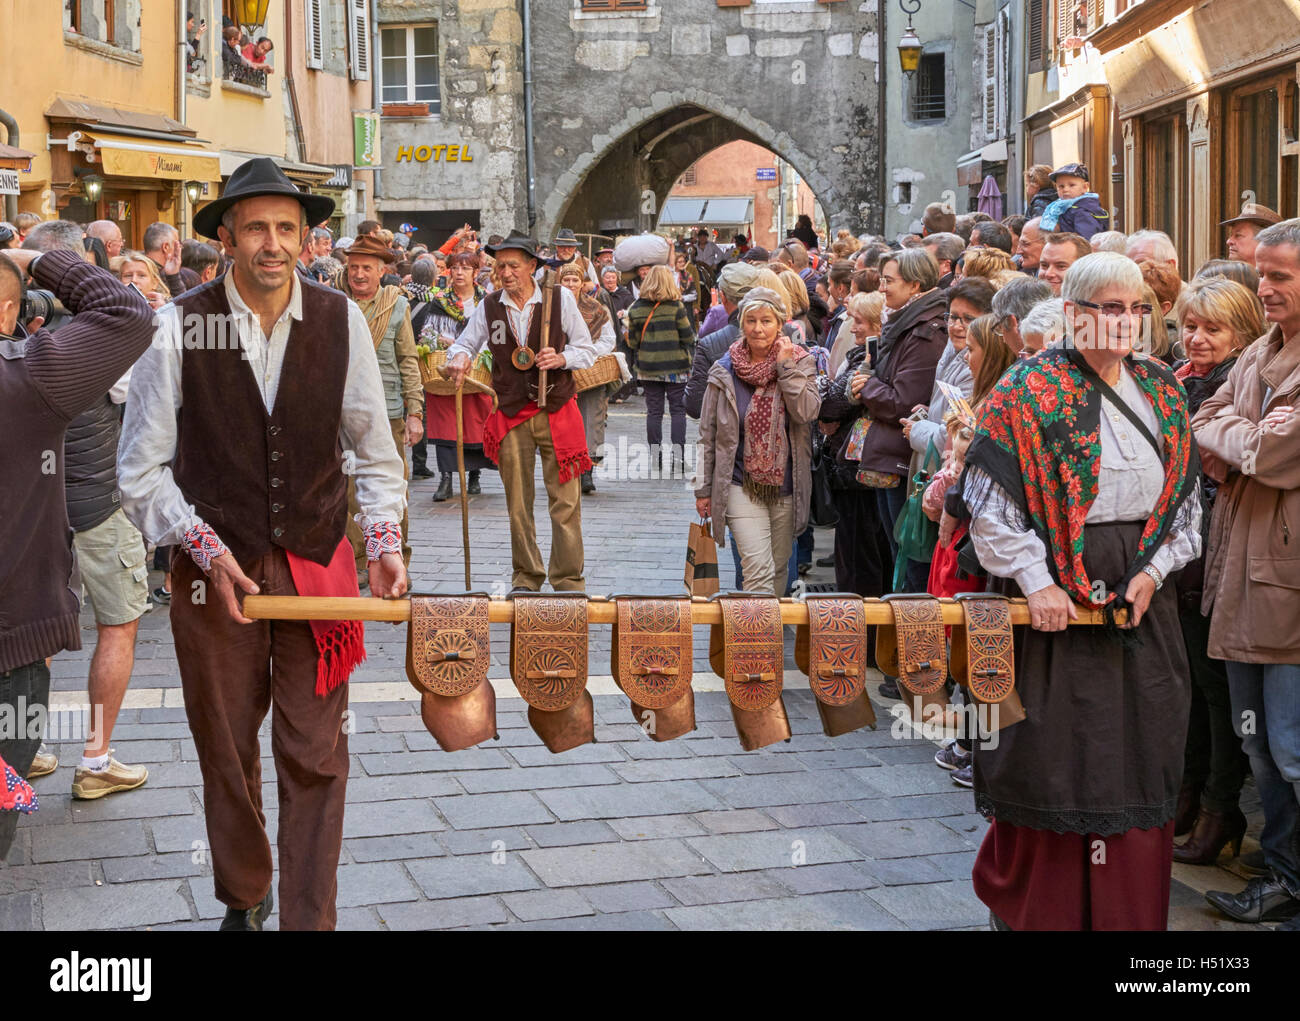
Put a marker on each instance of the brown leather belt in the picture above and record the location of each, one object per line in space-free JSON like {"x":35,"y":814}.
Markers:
{"x":651,"y":660}
{"x":447,"y":656}
{"x":748,"y":652}
{"x":548,"y":663}
{"x":984,"y":658}
{"x":832,"y":650}
{"x":915,"y":649}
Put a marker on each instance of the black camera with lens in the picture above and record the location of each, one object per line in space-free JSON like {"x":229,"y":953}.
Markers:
{"x":40,"y":303}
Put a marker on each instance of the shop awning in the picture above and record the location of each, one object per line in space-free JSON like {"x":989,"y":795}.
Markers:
{"x":303,"y":173}
{"x":128,"y":156}
{"x":682,"y":212}
{"x":13,"y":158}
{"x":732,"y":212}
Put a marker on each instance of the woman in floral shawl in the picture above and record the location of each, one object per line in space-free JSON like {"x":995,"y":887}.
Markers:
{"x":1082,"y":483}
{"x":449,"y":311}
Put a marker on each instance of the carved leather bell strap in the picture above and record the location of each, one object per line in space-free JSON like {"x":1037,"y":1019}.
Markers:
{"x":983,"y":649}
{"x":750,"y":650}
{"x":447,"y":644}
{"x":915,"y":648}
{"x":548,"y":649}
{"x":831,"y":648}
{"x":651,"y":658}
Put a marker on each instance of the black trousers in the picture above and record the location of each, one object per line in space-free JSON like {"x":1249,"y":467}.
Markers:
{"x":24,"y":699}
{"x":1212,"y":759}
{"x":655,"y":392}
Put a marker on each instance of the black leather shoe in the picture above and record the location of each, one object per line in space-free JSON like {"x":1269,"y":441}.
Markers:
{"x":1265,"y":899}
{"x":444,"y":490}
{"x":1291,"y":925}
{"x":473,"y":488}
{"x":250,"y":919}
{"x":588,"y":484}
{"x":421,"y":472}
{"x":826,"y":561}
{"x":889,"y":689}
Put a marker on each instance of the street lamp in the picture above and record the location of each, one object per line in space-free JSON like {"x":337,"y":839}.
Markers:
{"x":193,"y":191}
{"x":93,"y":186}
{"x":909,"y":46}
{"x":252,"y":13}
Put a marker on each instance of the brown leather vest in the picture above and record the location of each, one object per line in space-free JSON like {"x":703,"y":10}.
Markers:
{"x":515,"y":388}
{"x":263,"y":480}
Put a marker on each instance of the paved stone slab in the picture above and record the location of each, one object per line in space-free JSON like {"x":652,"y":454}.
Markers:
{"x":436,"y":762}
{"x":78,"y":841}
{"x":823,"y":814}
{"x":651,"y":827}
{"x":143,"y":752}
{"x":570,"y":834}
{"x":442,"y":914}
{"x":639,"y":799}
{"x":933,"y":905}
{"x":814,"y":912}
{"x":956,"y":866}
{"x":55,"y":875}
{"x":20,"y":912}
{"x":179,"y":833}
{"x":536,"y":779}
{"x":647,"y":770}
{"x":758,"y":763}
{"x":617,"y":897}
{"x":904,"y":871}
{"x":904,"y":839}
{"x":374,"y":883}
{"x":612,"y":863}
{"x":539,"y":904}
{"x":400,"y":845}
{"x":844,"y":758}
{"x":742,"y":852}
{"x":805,"y":788}
{"x":675,"y":749}
{"x":382,"y":818}
{"x":893,"y":781}
{"x":167,"y":774}
{"x":631,"y":921}
{"x":488,"y":841}
{"x":153,"y":866}
{"x":540,"y":755}
{"x":394,"y":787}
{"x":141,"y":803}
{"x":691,"y":890}
{"x":359,"y":920}
{"x":114,"y":906}
{"x":914,"y":806}
{"x":805,"y":879}
{"x":476,"y":811}
{"x":472,"y":875}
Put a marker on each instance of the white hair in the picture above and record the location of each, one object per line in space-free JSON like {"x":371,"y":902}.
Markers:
{"x":1047,"y":319}
{"x":1092,"y":273}
{"x":1164,"y":249}
{"x":1110,"y":241}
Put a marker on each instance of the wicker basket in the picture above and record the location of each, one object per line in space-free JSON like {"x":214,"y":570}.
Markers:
{"x":436,"y":383}
{"x":605,"y":371}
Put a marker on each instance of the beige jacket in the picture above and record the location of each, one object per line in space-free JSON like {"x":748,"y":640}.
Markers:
{"x":720,"y":436}
{"x":1252,"y":563}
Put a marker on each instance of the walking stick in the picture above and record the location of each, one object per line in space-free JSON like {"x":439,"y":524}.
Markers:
{"x":548,"y":295}
{"x":460,"y":468}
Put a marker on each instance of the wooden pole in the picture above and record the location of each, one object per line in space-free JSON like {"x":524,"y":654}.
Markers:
{"x":599,"y":611}
{"x":460,"y":468}
{"x":548,"y":294}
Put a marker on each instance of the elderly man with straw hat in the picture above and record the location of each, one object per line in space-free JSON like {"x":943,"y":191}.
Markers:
{"x":537,"y":337}
{"x":1245,"y":227}
{"x":388,"y":315}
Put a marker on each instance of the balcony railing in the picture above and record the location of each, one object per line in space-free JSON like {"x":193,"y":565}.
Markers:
{"x":244,"y":75}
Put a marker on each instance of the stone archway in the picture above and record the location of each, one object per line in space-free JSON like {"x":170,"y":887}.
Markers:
{"x":645,"y":151}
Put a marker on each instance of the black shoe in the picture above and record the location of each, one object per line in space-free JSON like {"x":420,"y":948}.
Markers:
{"x":1290,"y":925}
{"x":803,"y":569}
{"x":248,"y":920}
{"x":521,"y":588}
{"x":588,"y":486}
{"x":444,"y":490}
{"x":889,"y":689}
{"x":161,"y":596}
{"x":421,"y":472}
{"x":1253,"y":863}
{"x":1265,"y":899}
{"x":826,"y":561}
{"x":473,"y":488}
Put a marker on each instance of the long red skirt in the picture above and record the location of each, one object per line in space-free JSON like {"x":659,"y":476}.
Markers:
{"x":1040,"y":880}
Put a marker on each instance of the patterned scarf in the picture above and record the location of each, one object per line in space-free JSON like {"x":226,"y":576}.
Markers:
{"x":594,"y":313}
{"x":767,"y":447}
{"x":450,"y":305}
{"x":1038,"y":436}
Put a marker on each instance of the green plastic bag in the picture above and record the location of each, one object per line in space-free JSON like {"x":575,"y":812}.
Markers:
{"x":916,"y":534}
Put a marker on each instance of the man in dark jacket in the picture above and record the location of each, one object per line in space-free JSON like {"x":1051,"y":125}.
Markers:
{"x":47,"y":380}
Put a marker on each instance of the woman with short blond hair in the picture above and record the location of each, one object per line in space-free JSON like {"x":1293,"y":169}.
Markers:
{"x":984,"y":262}
{"x":137,"y":268}
{"x":662,"y":341}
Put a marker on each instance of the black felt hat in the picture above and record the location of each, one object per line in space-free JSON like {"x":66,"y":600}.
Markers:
{"x":517,"y":240}
{"x":255,"y":178}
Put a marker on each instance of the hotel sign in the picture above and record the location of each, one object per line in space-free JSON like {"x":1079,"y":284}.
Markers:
{"x":434,"y":154}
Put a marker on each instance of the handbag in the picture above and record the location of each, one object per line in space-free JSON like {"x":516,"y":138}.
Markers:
{"x":701,"y":576}
{"x":822,"y":509}
{"x":915,"y":533}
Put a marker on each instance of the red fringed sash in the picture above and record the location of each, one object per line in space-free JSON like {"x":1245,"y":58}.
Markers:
{"x":340,"y":643}
{"x":568,"y":434}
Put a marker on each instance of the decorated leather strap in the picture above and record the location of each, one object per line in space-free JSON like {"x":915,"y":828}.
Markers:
{"x":914,"y":649}
{"x":749,"y":654}
{"x":831,"y":647}
{"x":651,"y":657}
{"x":447,"y":645}
{"x":548,"y":649}
{"x":984,"y":658}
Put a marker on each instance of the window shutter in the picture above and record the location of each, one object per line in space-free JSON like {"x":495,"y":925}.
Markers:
{"x":1037,"y":9}
{"x":1002,"y":73}
{"x":990,"y":82}
{"x":359,"y":38}
{"x":312,"y":29}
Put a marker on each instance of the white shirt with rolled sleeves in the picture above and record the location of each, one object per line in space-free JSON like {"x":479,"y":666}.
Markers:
{"x":1128,"y":488}
{"x":150,"y":496}
{"x":579,"y":349}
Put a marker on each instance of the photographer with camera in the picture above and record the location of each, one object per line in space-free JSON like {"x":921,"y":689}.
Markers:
{"x":47,"y":380}
{"x":110,"y":556}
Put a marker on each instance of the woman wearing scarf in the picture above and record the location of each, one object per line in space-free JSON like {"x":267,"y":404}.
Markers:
{"x":1083,"y":487}
{"x":593,"y":403}
{"x":447,"y":313}
{"x":755,"y":441}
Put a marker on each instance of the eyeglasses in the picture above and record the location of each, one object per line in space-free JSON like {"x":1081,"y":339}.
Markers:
{"x":1115,"y":309}
{"x":954,"y":317}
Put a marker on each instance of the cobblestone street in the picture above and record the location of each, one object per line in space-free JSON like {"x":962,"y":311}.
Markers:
{"x":859,"y":832}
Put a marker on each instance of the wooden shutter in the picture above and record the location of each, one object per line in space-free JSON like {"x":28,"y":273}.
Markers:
{"x":990,"y":77}
{"x":359,"y":38}
{"x":1036,"y":31}
{"x":313,"y":29}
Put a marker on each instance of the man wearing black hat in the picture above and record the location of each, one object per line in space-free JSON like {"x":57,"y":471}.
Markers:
{"x":530,"y":348}
{"x":258,"y":398}
{"x":566,"y":247}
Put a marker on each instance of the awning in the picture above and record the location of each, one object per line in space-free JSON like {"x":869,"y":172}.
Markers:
{"x":127,"y":156}
{"x":970,"y":167}
{"x":682,"y":212}
{"x":729,"y":212}
{"x":13,"y":158}
{"x":305,"y":173}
